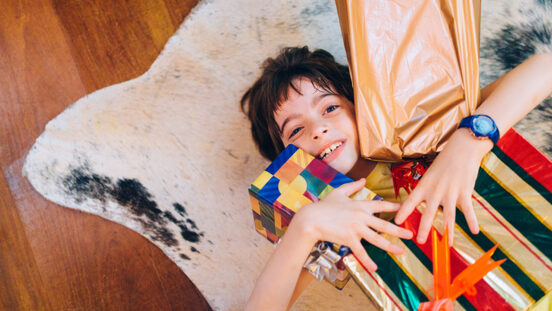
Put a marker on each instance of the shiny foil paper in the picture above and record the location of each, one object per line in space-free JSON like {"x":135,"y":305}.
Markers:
{"x":513,"y":204}
{"x":415,"y":72}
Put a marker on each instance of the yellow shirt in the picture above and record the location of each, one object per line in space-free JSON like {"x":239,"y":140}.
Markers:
{"x":381,"y":182}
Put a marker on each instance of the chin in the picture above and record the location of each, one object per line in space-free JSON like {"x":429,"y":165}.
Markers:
{"x":341,"y":167}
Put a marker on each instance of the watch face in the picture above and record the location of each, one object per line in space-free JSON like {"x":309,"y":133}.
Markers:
{"x":483,"y":125}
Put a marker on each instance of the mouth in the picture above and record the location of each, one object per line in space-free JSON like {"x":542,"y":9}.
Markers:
{"x":330,"y":152}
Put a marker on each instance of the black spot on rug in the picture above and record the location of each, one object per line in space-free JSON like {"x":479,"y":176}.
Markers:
{"x":81,"y":184}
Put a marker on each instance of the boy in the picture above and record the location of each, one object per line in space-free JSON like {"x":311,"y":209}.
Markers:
{"x":306,"y":98}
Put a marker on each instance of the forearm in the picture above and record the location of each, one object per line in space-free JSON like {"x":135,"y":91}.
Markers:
{"x":509,"y":99}
{"x":516,"y":93}
{"x":276,"y":284}
{"x":305,"y":278}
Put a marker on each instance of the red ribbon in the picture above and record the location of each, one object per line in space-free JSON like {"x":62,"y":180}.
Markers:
{"x":407,"y":175}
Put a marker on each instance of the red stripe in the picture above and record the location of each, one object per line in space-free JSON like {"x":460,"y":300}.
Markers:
{"x":379,"y":285}
{"x":534,"y":162}
{"x":487,"y":298}
{"x":512,"y":233}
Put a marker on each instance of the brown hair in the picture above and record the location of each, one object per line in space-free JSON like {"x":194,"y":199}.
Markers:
{"x":263,"y":99}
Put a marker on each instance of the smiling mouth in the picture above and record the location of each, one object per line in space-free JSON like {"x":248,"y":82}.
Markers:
{"x":328,"y":151}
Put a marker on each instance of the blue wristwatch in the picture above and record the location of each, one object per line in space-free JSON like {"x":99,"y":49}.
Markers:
{"x":481,"y":125}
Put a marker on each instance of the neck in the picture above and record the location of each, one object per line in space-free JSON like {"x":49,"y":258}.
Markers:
{"x":361,"y":169}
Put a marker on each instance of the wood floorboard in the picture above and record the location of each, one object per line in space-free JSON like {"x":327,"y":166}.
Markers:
{"x":53,"y":258}
{"x":20,"y":285}
{"x":122,"y":41}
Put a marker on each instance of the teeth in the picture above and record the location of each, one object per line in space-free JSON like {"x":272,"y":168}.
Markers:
{"x":329,"y":150}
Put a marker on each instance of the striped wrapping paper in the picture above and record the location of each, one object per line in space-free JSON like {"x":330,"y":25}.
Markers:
{"x":513,"y":204}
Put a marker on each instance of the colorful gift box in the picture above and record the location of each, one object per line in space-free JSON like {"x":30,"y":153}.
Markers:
{"x":294,"y":179}
{"x":513,"y":204}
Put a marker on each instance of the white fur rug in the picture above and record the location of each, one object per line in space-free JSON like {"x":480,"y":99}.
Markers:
{"x":170,"y":155}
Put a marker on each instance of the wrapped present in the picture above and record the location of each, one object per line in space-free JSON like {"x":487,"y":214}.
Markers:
{"x":293,"y":179}
{"x":415,"y":66}
{"x":513,"y":203}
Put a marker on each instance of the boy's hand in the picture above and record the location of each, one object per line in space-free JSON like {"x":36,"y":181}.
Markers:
{"x":339,"y":219}
{"x":448,"y":182}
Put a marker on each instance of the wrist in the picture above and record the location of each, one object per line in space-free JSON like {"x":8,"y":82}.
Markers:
{"x":465,"y":140}
{"x":304,"y":225}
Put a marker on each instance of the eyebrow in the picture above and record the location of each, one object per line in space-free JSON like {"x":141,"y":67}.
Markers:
{"x":315,"y":102}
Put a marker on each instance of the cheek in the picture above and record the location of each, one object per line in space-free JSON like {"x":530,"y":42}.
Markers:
{"x":305,"y":144}
{"x":353,"y":134}
{"x":350,"y":126}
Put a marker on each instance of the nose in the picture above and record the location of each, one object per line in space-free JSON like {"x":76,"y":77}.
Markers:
{"x":318,"y":133}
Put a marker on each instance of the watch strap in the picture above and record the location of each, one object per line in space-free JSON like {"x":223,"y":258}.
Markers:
{"x":494,"y":135}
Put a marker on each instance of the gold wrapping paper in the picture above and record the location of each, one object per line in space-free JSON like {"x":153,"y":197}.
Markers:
{"x":513,"y":204}
{"x":415,"y":72}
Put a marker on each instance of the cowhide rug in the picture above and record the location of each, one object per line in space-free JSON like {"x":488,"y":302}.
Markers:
{"x":170,"y":155}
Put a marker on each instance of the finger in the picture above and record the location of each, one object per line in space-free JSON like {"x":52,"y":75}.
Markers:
{"x":381,"y":242}
{"x":386,"y":227}
{"x":362,"y":256}
{"x":350,"y":188}
{"x":466,"y":205}
{"x":449,"y":216}
{"x":407,"y":207}
{"x":381,"y":206}
{"x":426,"y":222}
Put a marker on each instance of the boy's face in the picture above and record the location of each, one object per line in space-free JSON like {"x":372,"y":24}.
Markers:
{"x":320,"y":123}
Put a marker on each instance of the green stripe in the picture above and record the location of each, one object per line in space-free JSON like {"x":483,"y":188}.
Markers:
{"x":464,"y":302}
{"x":547,"y":195}
{"x":514,"y":212}
{"x":395,"y":278}
{"x":509,"y":266}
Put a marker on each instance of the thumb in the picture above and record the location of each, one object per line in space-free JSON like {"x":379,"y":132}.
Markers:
{"x":352,"y":187}
{"x":407,"y":207}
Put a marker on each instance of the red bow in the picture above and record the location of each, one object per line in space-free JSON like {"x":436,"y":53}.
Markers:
{"x":407,"y":175}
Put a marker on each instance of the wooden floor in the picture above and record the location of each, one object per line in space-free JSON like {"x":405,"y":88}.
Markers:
{"x":52,"y":52}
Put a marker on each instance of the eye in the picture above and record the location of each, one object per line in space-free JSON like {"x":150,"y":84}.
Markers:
{"x":331,"y":108}
{"x":295,"y":131}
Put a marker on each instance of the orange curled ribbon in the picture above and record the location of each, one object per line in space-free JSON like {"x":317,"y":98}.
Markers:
{"x":445,"y":292}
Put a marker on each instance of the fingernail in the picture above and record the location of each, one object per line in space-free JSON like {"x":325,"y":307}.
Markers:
{"x":420,"y":240}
